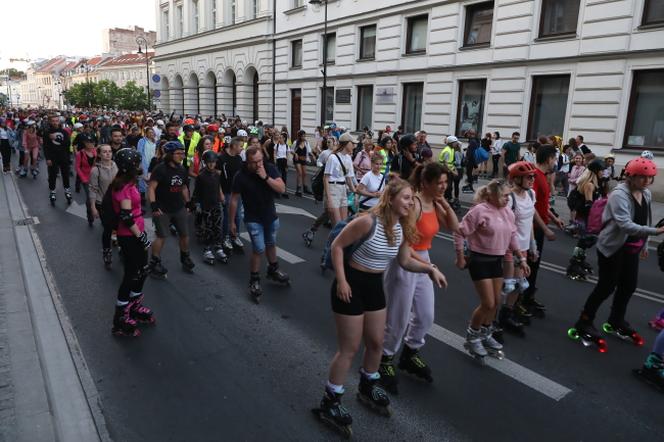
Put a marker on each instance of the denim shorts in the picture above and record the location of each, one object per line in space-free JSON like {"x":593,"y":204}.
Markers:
{"x":262,"y":235}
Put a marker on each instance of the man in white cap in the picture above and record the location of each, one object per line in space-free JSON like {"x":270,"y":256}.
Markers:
{"x":158,"y":129}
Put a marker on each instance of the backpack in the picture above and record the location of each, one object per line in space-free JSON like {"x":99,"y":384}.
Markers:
{"x":326,"y":258}
{"x":317,"y":186}
{"x":109,"y":218}
{"x":594,"y":223}
{"x":481,"y":155}
{"x":530,"y":193}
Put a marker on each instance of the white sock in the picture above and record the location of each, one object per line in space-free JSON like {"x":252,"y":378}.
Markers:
{"x":373,"y":376}
{"x":338,"y":389}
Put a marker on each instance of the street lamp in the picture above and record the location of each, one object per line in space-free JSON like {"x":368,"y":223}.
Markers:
{"x":324,"y":102}
{"x":143,"y":42}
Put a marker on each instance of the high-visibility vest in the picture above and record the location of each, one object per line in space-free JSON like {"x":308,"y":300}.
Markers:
{"x":446,"y":158}
{"x":195,"y":138}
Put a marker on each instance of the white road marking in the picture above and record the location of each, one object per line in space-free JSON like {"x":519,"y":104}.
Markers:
{"x":509,"y":368}
{"x":281,"y":253}
{"x":641,"y":293}
{"x":77,"y":209}
{"x":290,"y":210}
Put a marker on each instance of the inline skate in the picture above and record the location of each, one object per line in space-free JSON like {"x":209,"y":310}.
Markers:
{"x":208,"y":256}
{"x":68,"y":195}
{"x":411,"y":362}
{"x":585,"y":332}
{"x":187,"y":264}
{"x":238,"y":247}
{"x":623,"y":330}
{"x":107,"y":254}
{"x":52,"y":197}
{"x":123,"y":324}
{"x":220,"y":255}
{"x":308,"y":237}
{"x":373,"y":396}
{"x":576,"y":270}
{"x":334,"y":414}
{"x":157,"y":270}
{"x":276,"y":275}
{"x":35,"y":173}
{"x":255,"y":289}
{"x":652,"y":371}
{"x":493,"y":347}
{"x":474,"y":345}
{"x":388,"y":374}
{"x":508,"y":321}
{"x":140,"y":313}
{"x":227,"y":245}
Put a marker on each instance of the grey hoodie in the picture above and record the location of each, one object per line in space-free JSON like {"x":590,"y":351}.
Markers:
{"x":617,"y":220}
{"x":100,"y":178}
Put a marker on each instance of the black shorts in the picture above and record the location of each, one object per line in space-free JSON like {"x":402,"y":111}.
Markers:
{"x":178,"y":219}
{"x":367,"y":293}
{"x":302,"y":162}
{"x":483,"y":266}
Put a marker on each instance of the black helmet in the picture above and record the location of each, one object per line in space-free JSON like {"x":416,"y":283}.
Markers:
{"x":209,"y":156}
{"x":596,"y":165}
{"x":86,"y":138}
{"x":127,"y":159}
{"x":406,"y":141}
{"x":172,"y":146}
{"x":188,"y":128}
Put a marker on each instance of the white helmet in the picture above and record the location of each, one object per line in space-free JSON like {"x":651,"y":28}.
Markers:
{"x":160,"y":122}
{"x":242,"y":133}
{"x":452,"y":139}
{"x":647,"y":155}
{"x":78,"y":126}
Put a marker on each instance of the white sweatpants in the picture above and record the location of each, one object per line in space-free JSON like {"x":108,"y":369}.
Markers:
{"x":410,"y":306}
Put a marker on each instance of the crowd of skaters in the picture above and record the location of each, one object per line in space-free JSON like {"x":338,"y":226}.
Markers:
{"x":386,"y":192}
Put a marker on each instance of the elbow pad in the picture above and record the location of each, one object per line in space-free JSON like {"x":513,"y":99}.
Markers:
{"x":127,"y":218}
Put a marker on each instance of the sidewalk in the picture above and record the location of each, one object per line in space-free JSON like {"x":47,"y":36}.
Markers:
{"x":46,"y":392}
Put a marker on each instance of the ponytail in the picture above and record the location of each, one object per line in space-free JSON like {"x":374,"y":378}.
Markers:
{"x":426,"y":173}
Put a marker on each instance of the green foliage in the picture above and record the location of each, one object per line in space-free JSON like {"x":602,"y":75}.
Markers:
{"x":4,"y":101}
{"x":13,"y":73}
{"x":107,"y":94}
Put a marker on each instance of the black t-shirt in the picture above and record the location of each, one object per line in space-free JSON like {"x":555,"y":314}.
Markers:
{"x":170,"y":181}
{"x":153,"y":163}
{"x":257,"y":195}
{"x":640,"y":217}
{"x":585,"y":149}
{"x":133,"y":140}
{"x":228,"y":166}
{"x":207,"y":189}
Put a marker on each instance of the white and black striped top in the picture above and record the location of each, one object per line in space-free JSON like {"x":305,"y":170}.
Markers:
{"x":376,"y":253}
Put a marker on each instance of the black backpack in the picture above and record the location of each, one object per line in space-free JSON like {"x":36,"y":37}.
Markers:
{"x":317,"y":186}
{"x":109,"y":219}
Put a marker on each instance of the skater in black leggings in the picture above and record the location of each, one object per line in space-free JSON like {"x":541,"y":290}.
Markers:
{"x":134,"y":244}
{"x":626,"y":219}
{"x":56,"y":150}
{"x":100,"y":178}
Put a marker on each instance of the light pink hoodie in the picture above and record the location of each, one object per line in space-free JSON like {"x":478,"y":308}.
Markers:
{"x":488,"y":229}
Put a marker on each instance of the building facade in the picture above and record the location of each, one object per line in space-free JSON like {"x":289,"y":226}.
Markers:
{"x":125,"y":68}
{"x":567,"y":67}
{"x":119,"y":41}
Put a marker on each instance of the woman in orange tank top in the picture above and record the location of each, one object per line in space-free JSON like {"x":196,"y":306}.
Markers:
{"x":410,"y":298}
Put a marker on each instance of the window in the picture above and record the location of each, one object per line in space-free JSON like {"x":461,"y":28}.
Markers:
{"x":416,"y":38}
{"x":179,"y":18}
{"x":166,"y":28}
{"x":653,"y":12}
{"x":470,"y":107}
{"x":645,"y":121}
{"x":296,"y":54}
{"x":479,"y":18}
{"x":367,"y":42}
{"x":329,"y":104}
{"x":364,"y":107}
{"x":232,"y":12}
{"x":298,"y":3}
{"x":330,"y":47}
{"x":194,"y":16}
{"x":559,"y":17}
{"x":411,"y":111}
{"x":548,"y":105}
{"x":213,"y":14}
{"x":253,"y":9}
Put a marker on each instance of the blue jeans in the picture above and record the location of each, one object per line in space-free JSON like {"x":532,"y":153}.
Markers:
{"x":239,"y":214}
{"x":263,"y":235}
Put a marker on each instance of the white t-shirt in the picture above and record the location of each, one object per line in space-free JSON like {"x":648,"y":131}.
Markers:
{"x":334,"y":170}
{"x":372,"y":183}
{"x":524,"y":211}
{"x":496,"y":147}
{"x":322,"y":158}
{"x":281,"y":151}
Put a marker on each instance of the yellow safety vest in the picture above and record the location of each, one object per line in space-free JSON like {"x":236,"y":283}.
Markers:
{"x":449,"y":161}
{"x":195,"y":138}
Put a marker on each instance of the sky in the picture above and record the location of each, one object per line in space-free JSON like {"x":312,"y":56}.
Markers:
{"x":46,"y":28}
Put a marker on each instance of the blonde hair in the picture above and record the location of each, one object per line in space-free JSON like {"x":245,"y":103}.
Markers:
{"x":494,"y":189}
{"x":587,"y":177}
{"x":383,"y":210}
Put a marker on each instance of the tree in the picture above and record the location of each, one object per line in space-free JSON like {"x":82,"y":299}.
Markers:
{"x":13,"y":73}
{"x":107,"y":94}
{"x":133,"y":97}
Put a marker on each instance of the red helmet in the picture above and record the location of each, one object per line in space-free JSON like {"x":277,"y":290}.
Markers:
{"x":213,"y":128}
{"x":641,"y":166}
{"x":521,"y":168}
{"x":188,"y":121}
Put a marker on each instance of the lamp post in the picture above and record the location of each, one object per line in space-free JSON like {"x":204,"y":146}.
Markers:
{"x":324,"y":101}
{"x":142,"y":42}
{"x":86,"y":67}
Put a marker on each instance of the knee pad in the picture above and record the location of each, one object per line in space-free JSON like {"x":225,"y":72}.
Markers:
{"x":142,"y":273}
{"x":509,"y":285}
{"x":523,"y":285}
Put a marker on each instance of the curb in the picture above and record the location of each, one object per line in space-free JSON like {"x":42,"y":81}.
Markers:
{"x":72,"y":395}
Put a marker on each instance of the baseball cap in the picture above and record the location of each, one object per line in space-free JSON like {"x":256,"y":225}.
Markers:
{"x":346,"y":137}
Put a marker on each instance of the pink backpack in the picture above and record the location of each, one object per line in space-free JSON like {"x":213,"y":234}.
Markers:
{"x":594,"y":224}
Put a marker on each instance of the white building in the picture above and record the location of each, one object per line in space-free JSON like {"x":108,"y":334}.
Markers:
{"x":119,"y":41}
{"x":43,"y":86}
{"x":565,"y":67}
{"x":125,"y":68}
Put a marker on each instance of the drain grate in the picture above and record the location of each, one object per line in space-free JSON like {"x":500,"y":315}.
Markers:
{"x":29,"y":221}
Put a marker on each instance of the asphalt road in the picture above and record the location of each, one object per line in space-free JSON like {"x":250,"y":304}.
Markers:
{"x":218,"y":367}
